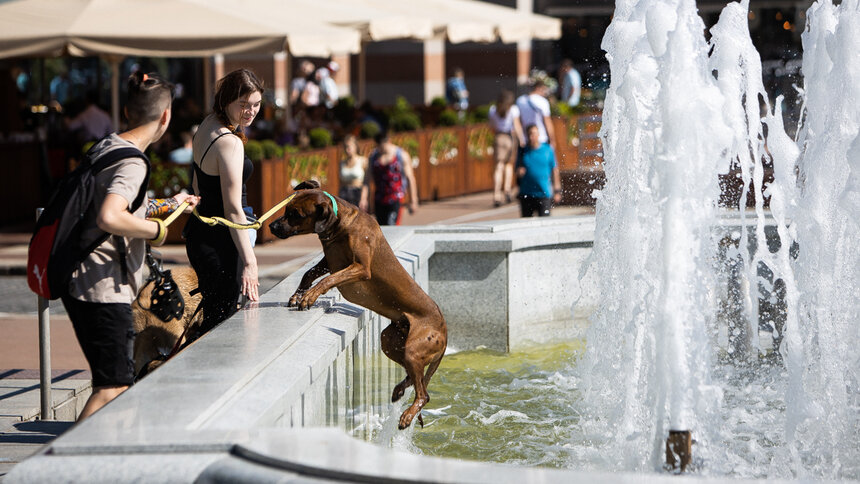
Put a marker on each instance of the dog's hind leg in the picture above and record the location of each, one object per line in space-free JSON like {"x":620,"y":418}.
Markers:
{"x":393,"y":339}
{"x":414,"y":370}
{"x":434,"y":365}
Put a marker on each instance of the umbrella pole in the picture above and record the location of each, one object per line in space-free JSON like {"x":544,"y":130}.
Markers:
{"x":208,"y":95}
{"x":362,"y":72}
{"x":113,"y":61}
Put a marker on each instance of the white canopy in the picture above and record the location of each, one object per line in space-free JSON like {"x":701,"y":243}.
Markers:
{"x":462,"y":20}
{"x":458,"y":20}
{"x":158,"y":28}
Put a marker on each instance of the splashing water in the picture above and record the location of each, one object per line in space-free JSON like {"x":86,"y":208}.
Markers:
{"x":675,"y":118}
{"x":679,"y":114}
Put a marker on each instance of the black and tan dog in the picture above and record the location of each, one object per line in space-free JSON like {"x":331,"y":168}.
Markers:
{"x":155,"y":339}
{"x":361,"y":264}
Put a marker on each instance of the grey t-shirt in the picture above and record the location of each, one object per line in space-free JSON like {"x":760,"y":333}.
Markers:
{"x":99,"y":277}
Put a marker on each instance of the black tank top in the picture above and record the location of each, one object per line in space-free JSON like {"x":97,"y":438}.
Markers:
{"x":209,"y":186}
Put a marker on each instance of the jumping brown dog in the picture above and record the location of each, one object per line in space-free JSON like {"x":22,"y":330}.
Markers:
{"x":366,"y":272}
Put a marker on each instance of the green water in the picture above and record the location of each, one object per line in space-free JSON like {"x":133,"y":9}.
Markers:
{"x":514,"y":408}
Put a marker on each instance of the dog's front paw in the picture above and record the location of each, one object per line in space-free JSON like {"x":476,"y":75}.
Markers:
{"x":295,"y":298}
{"x":308,"y":300}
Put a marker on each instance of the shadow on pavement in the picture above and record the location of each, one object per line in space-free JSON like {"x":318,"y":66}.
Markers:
{"x":35,"y":432}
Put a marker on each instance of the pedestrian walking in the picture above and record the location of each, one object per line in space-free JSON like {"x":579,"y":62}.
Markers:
{"x":535,"y":110}
{"x":352,"y":172}
{"x":504,"y":118}
{"x":392,"y":174}
{"x":540,"y":181}
{"x":571,"y":83}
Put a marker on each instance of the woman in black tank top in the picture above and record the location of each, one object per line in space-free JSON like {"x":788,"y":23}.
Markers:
{"x":224,"y":258}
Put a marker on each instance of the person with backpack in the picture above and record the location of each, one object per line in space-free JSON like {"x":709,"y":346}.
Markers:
{"x":535,"y":109}
{"x":102,"y":286}
{"x":392,"y":175}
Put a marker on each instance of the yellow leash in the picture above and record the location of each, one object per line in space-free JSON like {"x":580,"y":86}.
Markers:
{"x":233,"y":225}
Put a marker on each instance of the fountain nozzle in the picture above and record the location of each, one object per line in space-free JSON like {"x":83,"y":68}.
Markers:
{"x":679,"y":449}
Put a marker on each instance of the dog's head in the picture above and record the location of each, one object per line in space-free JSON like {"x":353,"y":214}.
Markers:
{"x":310,"y":211}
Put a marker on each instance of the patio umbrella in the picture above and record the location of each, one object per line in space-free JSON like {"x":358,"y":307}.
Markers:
{"x":156,"y":28}
{"x":459,"y":20}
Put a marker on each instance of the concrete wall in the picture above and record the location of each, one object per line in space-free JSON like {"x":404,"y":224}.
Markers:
{"x":504,"y":287}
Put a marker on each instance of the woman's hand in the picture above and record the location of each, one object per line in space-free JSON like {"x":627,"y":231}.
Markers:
{"x":250,"y":283}
{"x":192,"y":200}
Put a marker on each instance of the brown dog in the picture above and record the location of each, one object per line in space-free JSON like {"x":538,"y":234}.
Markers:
{"x":154,"y":338}
{"x":366,"y":272}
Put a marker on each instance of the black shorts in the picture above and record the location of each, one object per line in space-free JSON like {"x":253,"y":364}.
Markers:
{"x":387,"y":213}
{"x":530,"y":205}
{"x":105,"y":332}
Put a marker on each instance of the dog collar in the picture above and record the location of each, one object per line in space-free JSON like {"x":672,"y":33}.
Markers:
{"x":333,"y":203}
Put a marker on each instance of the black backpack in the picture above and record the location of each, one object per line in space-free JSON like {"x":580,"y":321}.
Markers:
{"x":57,"y":246}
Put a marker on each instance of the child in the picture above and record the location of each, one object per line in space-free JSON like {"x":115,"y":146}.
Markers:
{"x":539,"y":179}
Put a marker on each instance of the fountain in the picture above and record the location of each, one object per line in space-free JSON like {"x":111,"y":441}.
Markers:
{"x":675,"y":118}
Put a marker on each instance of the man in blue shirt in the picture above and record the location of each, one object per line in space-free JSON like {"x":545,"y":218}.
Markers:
{"x":539,"y":179}
{"x":456,"y":92}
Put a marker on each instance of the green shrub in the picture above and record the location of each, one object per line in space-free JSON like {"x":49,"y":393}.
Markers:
{"x":439,"y":102}
{"x":167,"y":179}
{"x":402,"y":117}
{"x":291,"y":149}
{"x":254,"y":150}
{"x":320,"y":137}
{"x":480,"y":114}
{"x":401,"y":105}
{"x":369,"y":129}
{"x":404,"y":122}
{"x":271,"y":150}
{"x":449,"y":117}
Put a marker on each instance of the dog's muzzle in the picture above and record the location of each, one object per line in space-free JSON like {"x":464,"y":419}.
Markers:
{"x":280,"y":229}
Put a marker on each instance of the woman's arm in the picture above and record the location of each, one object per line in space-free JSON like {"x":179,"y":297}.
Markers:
{"x":231,"y":157}
{"x":550,"y":130}
{"x":518,"y":132}
{"x":410,"y":175}
{"x":364,"y":202}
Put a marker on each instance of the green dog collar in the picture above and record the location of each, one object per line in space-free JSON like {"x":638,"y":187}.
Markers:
{"x":333,"y":203}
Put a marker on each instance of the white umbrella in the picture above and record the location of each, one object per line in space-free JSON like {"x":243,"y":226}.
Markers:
{"x":157,"y":28}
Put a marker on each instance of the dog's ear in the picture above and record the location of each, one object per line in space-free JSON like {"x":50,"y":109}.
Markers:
{"x":325,"y":217}
{"x":307,"y":185}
